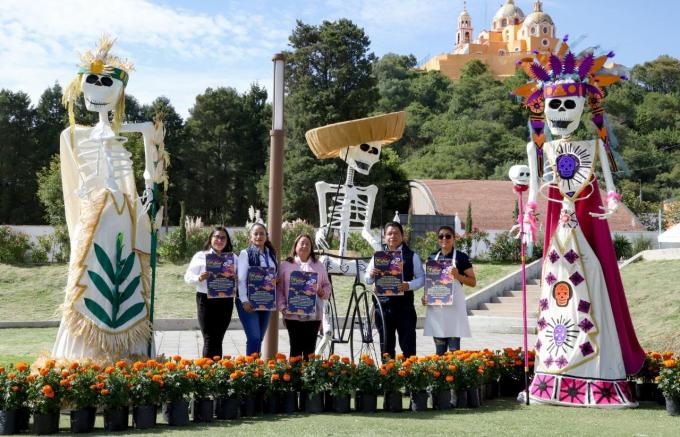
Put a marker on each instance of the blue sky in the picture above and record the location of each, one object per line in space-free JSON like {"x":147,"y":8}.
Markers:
{"x":182,"y":47}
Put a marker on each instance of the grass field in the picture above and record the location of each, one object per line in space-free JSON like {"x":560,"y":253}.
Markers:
{"x":653,"y":293}
{"x":41,"y":290}
{"x":499,"y":417}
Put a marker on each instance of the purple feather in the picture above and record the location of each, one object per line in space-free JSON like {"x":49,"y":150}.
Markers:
{"x":555,"y":65}
{"x":569,"y":63}
{"x":539,"y":72}
{"x":534,"y":51}
{"x":565,"y":38}
{"x":610,"y":54}
{"x":590,"y":89}
{"x":585,"y":66}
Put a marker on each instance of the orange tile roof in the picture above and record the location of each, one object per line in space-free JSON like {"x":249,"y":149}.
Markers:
{"x":493,"y":203}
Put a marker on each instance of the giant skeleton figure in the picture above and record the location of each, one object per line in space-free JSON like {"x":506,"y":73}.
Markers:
{"x":345,"y":208}
{"x":106,"y":306}
{"x":586,"y":342}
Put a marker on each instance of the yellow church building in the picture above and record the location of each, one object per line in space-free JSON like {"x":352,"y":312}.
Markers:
{"x":512,"y":37}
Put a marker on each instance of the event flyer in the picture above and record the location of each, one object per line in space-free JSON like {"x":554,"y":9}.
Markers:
{"x":302,"y":293}
{"x":261,"y":288}
{"x":222,"y":280}
{"x":438,"y":283}
{"x":391,"y":272}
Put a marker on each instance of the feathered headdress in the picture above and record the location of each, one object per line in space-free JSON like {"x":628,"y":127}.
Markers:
{"x":563,"y":74}
{"x":100,"y":62}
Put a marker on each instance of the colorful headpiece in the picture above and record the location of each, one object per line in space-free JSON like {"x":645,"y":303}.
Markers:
{"x":562,"y":74}
{"x":100,"y":62}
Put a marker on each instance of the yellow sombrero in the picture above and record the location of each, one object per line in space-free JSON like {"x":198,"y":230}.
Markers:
{"x":327,"y":141}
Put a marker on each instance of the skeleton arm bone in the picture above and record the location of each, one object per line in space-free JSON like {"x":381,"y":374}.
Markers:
{"x":322,"y":188}
{"x":371,"y":192}
{"x":613,"y":198}
{"x":148,"y":131}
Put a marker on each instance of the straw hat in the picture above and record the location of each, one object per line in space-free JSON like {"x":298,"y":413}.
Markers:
{"x":328,"y":141}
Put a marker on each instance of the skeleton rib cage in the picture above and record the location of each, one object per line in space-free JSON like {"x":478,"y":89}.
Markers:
{"x":102,"y":162}
{"x":353,"y":211}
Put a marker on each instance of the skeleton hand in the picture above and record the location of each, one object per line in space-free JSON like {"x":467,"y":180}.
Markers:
{"x":147,"y":197}
{"x":320,"y":239}
{"x":613,"y":201}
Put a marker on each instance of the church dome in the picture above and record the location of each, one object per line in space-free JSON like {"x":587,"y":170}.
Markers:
{"x":537,"y":17}
{"x":510,"y":11}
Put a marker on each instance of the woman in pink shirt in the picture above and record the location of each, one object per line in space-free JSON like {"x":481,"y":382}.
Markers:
{"x":302,"y":329}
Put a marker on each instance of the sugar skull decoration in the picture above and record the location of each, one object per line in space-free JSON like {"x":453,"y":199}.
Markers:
{"x":519,"y":175}
{"x":562,"y":293}
{"x":561,"y":85}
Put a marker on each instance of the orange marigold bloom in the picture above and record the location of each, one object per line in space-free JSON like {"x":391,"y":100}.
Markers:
{"x":138,"y":365}
{"x":191,"y":375}
{"x":151,"y":363}
{"x":20,"y":366}
{"x":383,"y":372}
{"x":275,"y":377}
{"x":331,"y":373}
{"x":436,"y":373}
{"x":449,"y":378}
{"x":48,"y":391}
{"x":177,"y":358}
{"x":11,"y":375}
{"x":170,"y":365}
{"x":30,"y":378}
{"x":44,"y":372}
{"x":109,"y":370}
{"x":345,"y":360}
{"x":249,"y":359}
{"x":400,"y":357}
{"x":65,"y":372}
{"x":105,"y":392}
{"x":64,"y":383}
{"x":15,"y":388}
{"x":157,"y":378}
{"x":121,"y":364}
{"x":50,"y":364}
{"x":286,"y":377}
{"x":74,"y":365}
{"x":669,"y":363}
{"x":234,"y":375}
{"x":402,"y":373}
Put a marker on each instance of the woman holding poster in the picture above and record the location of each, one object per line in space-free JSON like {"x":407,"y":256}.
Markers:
{"x":447,"y":270}
{"x":257,"y":269}
{"x":212,"y":271}
{"x":302,"y":287}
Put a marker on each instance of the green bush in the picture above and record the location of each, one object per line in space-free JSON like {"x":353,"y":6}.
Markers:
{"x":505,"y":249}
{"x":13,"y":246}
{"x":622,"y":247}
{"x":171,"y":248}
{"x":57,"y":243}
{"x":641,"y":243}
{"x":357,"y":243}
{"x":425,"y":245}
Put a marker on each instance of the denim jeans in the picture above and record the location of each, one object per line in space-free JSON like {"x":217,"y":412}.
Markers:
{"x":255,"y":324}
{"x":442,"y":344}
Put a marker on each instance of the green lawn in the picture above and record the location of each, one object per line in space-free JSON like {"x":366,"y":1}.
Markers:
{"x":653,"y":294}
{"x":41,"y":290}
{"x":501,"y":417}
{"x":25,"y":344}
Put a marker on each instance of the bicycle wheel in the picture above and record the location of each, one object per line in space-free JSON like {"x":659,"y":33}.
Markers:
{"x":366,"y":334}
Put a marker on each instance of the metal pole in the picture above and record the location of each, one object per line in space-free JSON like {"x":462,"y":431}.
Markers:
{"x":524,"y":297}
{"x":275,"y":210}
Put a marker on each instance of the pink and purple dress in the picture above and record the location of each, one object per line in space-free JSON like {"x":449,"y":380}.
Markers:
{"x":586,"y":341}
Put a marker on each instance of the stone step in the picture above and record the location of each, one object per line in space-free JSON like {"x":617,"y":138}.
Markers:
{"x":518,"y":293}
{"x":509,"y":300}
{"x":501,"y":325}
{"x":503,"y":312}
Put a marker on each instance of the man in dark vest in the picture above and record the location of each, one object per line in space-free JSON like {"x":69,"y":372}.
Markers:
{"x":399,"y":312}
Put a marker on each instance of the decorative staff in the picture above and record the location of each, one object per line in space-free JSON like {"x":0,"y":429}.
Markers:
{"x":519,"y":175}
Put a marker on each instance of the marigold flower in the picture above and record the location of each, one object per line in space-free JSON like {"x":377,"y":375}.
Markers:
{"x":449,"y":378}
{"x":11,"y":375}
{"x":109,"y":370}
{"x":20,"y":366}
{"x":121,"y":364}
{"x":177,"y":358}
{"x":157,"y":378}
{"x":64,"y":383}
{"x":330,"y":373}
{"x":275,"y":377}
{"x":402,"y":373}
{"x":234,"y":375}
{"x":138,"y":365}
{"x":345,"y":360}
{"x":170,"y":365}
{"x":383,"y":372}
{"x":65,"y":372}
{"x":286,"y":377}
{"x":191,"y":375}
{"x":436,"y":373}
{"x":48,"y":391}
{"x":151,"y":363}
{"x":105,"y":392}
{"x":2,"y":370}
{"x":49,"y":364}
{"x":16,"y":388}
{"x":74,"y":366}
{"x":44,"y":372}
{"x":669,"y":363}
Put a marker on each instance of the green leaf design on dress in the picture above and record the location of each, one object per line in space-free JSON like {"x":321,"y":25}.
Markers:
{"x":113,"y":293}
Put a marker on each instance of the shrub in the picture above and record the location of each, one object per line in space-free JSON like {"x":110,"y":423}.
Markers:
{"x":622,"y":247}
{"x":13,"y":246}
{"x":171,"y":248}
{"x":505,"y":248}
{"x":57,"y":244}
{"x":424,"y":245}
{"x":641,"y":243}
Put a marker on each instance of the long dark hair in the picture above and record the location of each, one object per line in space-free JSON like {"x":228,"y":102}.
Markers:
{"x":292,"y":254}
{"x":268,"y":244}
{"x":227,"y":247}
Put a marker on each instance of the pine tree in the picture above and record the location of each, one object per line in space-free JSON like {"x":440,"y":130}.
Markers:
{"x":468,"y":219}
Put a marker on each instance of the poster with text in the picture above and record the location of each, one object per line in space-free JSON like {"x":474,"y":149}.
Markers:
{"x":302,"y":293}
{"x":390,"y":265}
{"x":222,"y":280}
{"x":261,"y":288}
{"x":438,"y":283}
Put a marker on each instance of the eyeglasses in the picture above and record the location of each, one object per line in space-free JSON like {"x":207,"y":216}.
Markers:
{"x":220,"y":237}
{"x":442,"y":236}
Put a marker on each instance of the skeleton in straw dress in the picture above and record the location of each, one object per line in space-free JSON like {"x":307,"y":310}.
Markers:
{"x":106,"y":306}
{"x":586,"y":342}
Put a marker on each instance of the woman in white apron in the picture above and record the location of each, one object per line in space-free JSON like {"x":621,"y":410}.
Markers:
{"x":448,"y":323}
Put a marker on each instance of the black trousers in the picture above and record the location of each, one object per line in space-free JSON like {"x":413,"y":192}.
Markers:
{"x":302,"y":335}
{"x":399,"y":317}
{"x":214,"y":316}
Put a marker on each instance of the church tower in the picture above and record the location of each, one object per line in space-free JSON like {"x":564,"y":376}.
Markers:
{"x":464,"y":33}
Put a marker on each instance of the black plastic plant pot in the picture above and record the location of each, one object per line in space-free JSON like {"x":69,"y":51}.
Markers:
{"x":116,"y":419}
{"x":341,"y":403}
{"x":673,"y":407}
{"x":441,"y":400}
{"x":228,"y":408}
{"x":248,"y":407}
{"x":392,"y":402}
{"x":176,"y":413}
{"x":419,"y":401}
{"x":314,"y":403}
{"x":365,"y":403}
{"x":289,"y":402}
{"x":23,"y":418}
{"x":473,"y":400}
{"x":45,"y":423}
{"x":203,"y":410}
{"x":81,"y":420}
{"x":9,"y":422}
{"x":144,"y":416}
{"x":271,"y":403}
{"x":461,"y":399}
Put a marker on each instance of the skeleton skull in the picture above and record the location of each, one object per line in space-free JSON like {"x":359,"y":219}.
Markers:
{"x":564,"y":113}
{"x":101,"y":92}
{"x":562,"y":293}
{"x":362,"y":157}
{"x":519,"y":174}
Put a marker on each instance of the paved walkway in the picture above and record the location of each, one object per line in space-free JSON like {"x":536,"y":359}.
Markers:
{"x":190,"y":343}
